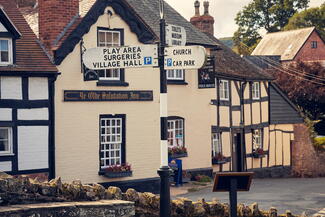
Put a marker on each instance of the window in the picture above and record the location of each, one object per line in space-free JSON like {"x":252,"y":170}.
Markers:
{"x":111,"y":142}
{"x":5,"y":140}
{"x":224,"y":89}
{"x":109,"y":38}
{"x":176,"y":133}
{"x":256,"y":90}
{"x":314,"y":44}
{"x":175,"y":74}
{"x":257,"y":139}
{"x":216,"y":144}
{"x":5,"y":51}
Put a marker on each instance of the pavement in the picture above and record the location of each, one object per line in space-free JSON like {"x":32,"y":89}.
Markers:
{"x":295,"y":194}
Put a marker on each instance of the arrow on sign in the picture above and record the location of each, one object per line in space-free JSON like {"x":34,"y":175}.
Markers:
{"x":185,"y":57}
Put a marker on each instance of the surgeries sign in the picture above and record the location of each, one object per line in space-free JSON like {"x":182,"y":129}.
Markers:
{"x":185,"y":57}
{"x":121,"y":57}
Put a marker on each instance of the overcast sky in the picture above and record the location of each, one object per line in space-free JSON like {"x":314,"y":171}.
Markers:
{"x":223,"y":11}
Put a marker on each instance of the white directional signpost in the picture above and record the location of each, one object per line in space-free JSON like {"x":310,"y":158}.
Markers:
{"x":176,"y":56}
{"x":121,"y":57}
{"x":175,"y":35}
{"x":185,"y":57}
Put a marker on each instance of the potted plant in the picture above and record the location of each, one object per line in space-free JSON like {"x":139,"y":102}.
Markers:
{"x":258,"y":152}
{"x":117,"y":171}
{"x":218,"y":159}
{"x":177,"y":152}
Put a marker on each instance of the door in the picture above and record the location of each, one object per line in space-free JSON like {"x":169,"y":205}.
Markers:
{"x":237,"y":152}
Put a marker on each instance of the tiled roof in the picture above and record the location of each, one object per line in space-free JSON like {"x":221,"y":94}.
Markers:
{"x":148,"y":10}
{"x":230,"y":64}
{"x":286,"y":43}
{"x":29,"y":54}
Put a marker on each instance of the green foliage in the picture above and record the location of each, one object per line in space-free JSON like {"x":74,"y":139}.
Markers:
{"x":308,"y":18}
{"x":202,"y":178}
{"x":267,"y":15}
{"x":319,"y":143}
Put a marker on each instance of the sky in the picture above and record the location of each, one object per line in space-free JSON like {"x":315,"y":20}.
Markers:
{"x":223,"y":11}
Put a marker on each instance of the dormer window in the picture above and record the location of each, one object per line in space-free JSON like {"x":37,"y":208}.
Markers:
{"x":5,"y":51}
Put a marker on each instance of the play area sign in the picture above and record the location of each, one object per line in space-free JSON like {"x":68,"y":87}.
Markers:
{"x":121,"y":57}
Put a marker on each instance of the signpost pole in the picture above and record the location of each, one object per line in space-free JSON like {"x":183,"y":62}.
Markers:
{"x":163,"y":171}
{"x":233,"y":197}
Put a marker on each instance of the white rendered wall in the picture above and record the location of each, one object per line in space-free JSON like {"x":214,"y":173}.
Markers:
{"x":2,"y":28}
{"x":33,"y":114}
{"x":33,"y":147}
{"x":5,"y":114}
{"x":5,"y":166}
{"x":10,"y":88}
{"x":38,"y":88}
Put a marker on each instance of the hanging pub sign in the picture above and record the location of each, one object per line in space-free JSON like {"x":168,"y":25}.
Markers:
{"x":206,"y":75}
{"x":175,"y":35}
{"x":105,"y":95}
{"x":185,"y":57}
{"x":121,"y":57}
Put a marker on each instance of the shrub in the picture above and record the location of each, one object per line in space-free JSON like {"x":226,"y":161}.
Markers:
{"x":319,"y":143}
{"x":202,"y":178}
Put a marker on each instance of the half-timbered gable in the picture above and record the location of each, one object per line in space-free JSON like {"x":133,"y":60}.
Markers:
{"x":26,"y":98}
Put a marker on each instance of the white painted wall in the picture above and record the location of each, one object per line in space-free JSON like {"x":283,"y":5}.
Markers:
{"x":33,"y":114}
{"x":5,"y":114}
{"x":5,"y":166}
{"x":33,"y":147}
{"x":10,"y":88}
{"x":2,"y":28}
{"x":38,"y":88}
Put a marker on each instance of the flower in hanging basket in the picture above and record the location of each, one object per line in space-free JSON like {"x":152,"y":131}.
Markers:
{"x":118,"y":168}
{"x":177,"y":150}
{"x":258,"y":152}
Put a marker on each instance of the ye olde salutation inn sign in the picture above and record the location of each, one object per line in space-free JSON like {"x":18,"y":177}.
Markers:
{"x":92,"y":95}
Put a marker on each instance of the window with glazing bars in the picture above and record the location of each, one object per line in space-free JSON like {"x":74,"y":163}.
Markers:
{"x":109,"y":38}
{"x":111,"y":142}
{"x":176,"y":133}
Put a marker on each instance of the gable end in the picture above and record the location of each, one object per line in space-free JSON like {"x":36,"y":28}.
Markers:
{"x":6,"y":22}
{"x":137,"y":26}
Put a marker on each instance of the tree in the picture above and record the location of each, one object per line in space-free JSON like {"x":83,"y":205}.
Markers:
{"x":267,"y":15}
{"x":305,"y":86}
{"x":307,"y":18}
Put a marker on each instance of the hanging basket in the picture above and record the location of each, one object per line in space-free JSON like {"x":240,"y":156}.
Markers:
{"x":117,"y":174}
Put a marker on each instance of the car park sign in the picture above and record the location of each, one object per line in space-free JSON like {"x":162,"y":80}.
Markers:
{"x":121,"y":57}
{"x":185,"y":57}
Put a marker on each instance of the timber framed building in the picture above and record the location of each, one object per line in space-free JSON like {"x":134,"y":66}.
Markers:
{"x":26,"y":98}
{"x":206,"y":118}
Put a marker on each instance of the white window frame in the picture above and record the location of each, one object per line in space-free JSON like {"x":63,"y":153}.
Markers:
{"x":111,"y":141}
{"x":173,"y":140}
{"x":216,"y":144}
{"x":175,"y":74}
{"x":256,"y":90}
{"x":224,"y":89}
{"x":257,"y":138}
{"x":10,"y":52}
{"x":110,"y":44}
{"x":10,"y":144}
{"x":314,"y":44}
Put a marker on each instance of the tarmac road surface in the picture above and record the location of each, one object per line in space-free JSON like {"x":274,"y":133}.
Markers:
{"x":295,"y":194}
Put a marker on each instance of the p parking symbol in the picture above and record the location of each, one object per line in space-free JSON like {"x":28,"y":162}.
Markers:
{"x":147,"y":60}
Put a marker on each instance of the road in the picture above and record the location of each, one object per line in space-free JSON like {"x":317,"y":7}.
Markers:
{"x":296,"y":195}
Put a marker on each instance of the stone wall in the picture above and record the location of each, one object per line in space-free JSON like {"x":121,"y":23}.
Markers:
{"x":18,"y":193}
{"x":103,"y":208}
{"x":306,"y":161}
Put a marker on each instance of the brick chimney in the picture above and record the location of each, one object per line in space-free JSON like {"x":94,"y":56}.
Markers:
{"x":196,"y":20}
{"x":204,"y":22}
{"x":54,"y":16}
